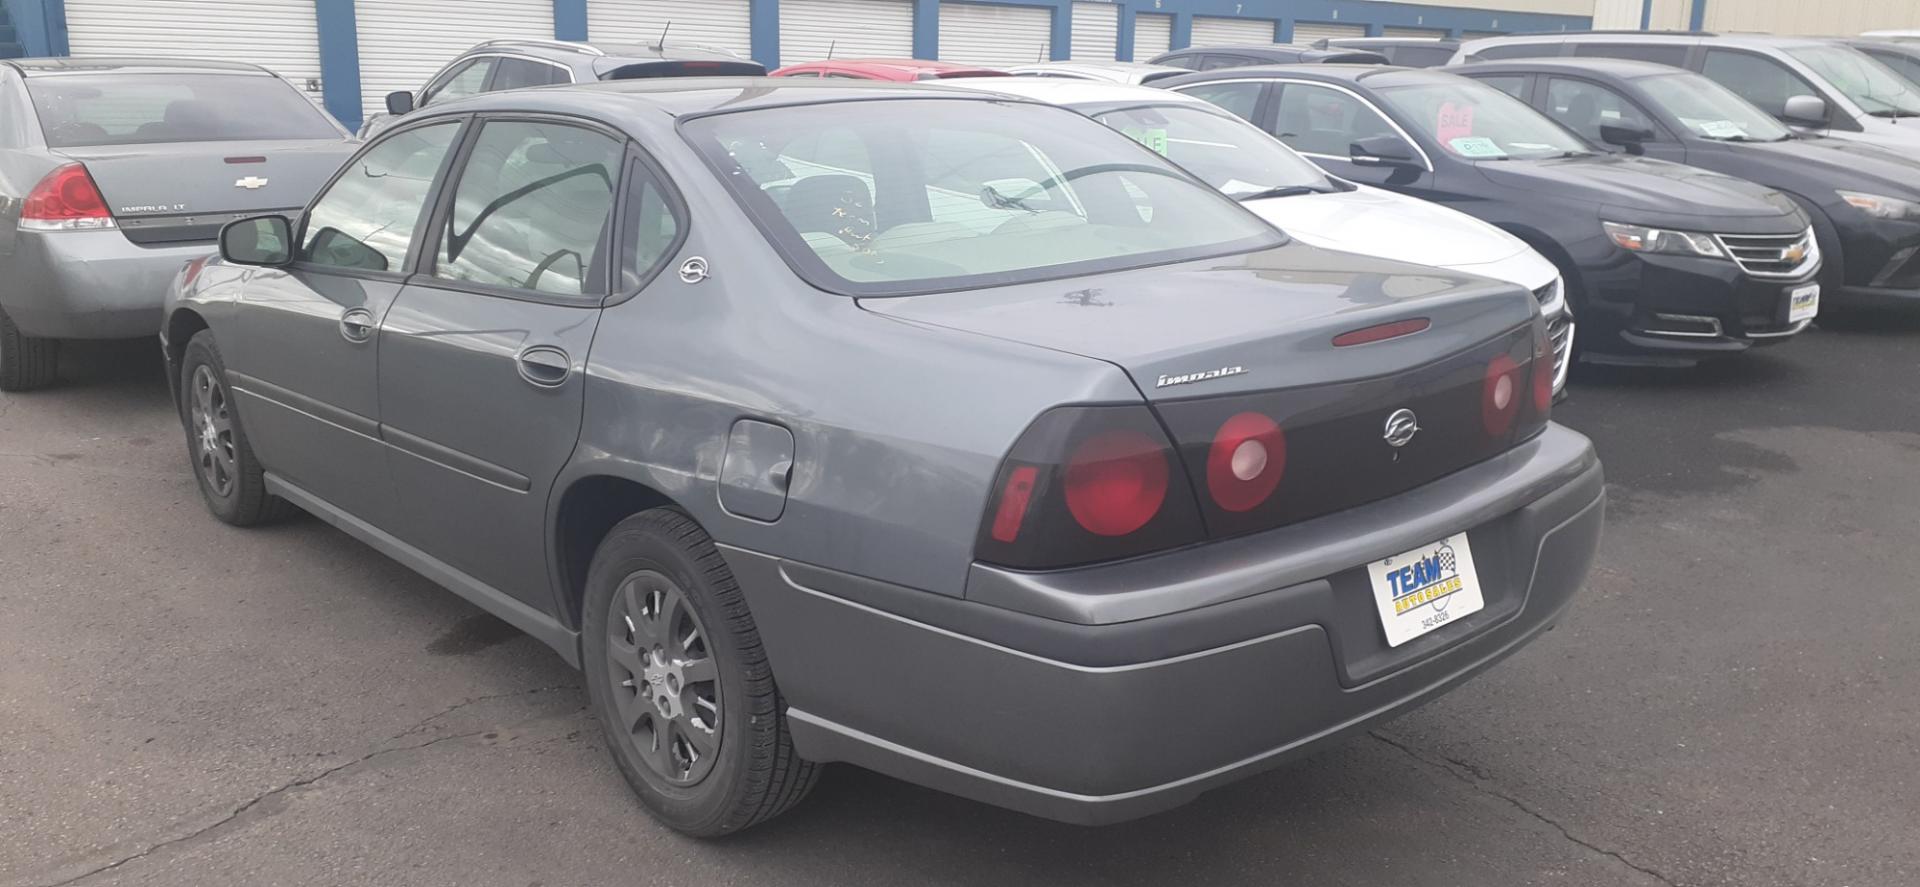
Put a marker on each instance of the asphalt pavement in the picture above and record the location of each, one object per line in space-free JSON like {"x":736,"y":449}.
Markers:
{"x":1733,"y":700}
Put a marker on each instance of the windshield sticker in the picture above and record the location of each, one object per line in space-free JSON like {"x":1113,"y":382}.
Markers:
{"x":1532,"y":146}
{"x":1722,"y":129}
{"x":1154,"y":139}
{"x":1476,"y":146}
{"x":1456,"y":121}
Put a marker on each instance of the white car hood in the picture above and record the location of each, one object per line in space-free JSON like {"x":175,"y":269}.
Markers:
{"x":1373,"y":222}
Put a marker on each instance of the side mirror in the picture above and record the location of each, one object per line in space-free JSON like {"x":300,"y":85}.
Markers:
{"x":260,"y":240}
{"x":1806,"y":110}
{"x":1385,"y":150}
{"x":399,"y":103}
{"x":1625,"y":135}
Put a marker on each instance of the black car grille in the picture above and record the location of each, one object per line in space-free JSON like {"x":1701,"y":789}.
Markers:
{"x":1772,"y":255}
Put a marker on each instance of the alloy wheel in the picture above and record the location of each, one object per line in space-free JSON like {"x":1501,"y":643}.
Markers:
{"x":666,"y":685}
{"x":211,"y":418}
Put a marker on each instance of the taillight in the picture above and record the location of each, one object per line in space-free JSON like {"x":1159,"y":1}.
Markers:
{"x":1500,"y":396}
{"x":65,"y":200}
{"x":1087,"y":484}
{"x":1245,"y":462}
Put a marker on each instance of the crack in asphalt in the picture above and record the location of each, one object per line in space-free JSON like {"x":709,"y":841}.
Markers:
{"x":381,"y":751}
{"x":1477,"y":779}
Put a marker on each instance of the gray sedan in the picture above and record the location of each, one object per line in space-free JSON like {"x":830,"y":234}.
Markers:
{"x":114,"y":174}
{"x":953,"y":435}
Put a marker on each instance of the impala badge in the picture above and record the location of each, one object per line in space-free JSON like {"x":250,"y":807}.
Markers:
{"x":251,"y":183}
{"x":1189,"y":378}
{"x":1401,"y":427}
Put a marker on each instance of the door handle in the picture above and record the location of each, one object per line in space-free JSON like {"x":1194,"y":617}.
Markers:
{"x":356,"y":325}
{"x":544,"y":366}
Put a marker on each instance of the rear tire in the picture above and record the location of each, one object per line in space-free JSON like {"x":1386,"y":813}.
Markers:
{"x":680,"y":682}
{"x":26,"y":362}
{"x":230,"y":477}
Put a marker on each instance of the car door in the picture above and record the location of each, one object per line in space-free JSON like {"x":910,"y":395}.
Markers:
{"x":303,"y":357}
{"x":1323,"y":121}
{"x":1584,"y":106}
{"x":482,"y":354}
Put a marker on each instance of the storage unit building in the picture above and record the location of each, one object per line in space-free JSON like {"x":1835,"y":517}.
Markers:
{"x":811,"y":30}
{"x":404,"y":42}
{"x":1216,"y":31}
{"x":279,"y":35}
{"x":1152,"y":35}
{"x":721,"y":24}
{"x":982,"y":34}
{"x":1096,"y":32}
{"x":1307,"y":32}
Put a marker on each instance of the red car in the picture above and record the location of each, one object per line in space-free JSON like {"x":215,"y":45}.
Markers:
{"x":902,"y":70}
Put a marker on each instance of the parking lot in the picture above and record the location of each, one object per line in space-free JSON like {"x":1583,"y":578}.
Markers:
{"x":1729,"y":703}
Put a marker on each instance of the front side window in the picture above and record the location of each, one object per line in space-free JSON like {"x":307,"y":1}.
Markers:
{"x":521,"y":74}
{"x":1474,"y":121}
{"x":1710,"y":110}
{"x":944,"y":195}
{"x":367,"y":218}
{"x":77,"y":110}
{"x":1225,"y":152}
{"x":1241,"y":99}
{"x":1868,"y":83}
{"x":1319,"y":120}
{"x":531,"y":208}
{"x":1757,"y":79}
{"x":1585,"y":107}
{"x":466,"y":80}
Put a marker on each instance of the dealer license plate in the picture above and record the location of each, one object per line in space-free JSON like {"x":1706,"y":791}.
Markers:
{"x":1803,"y":303}
{"x":1425,"y":588}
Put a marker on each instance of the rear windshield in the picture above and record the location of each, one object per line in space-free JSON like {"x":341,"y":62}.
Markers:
{"x":78,"y":110}
{"x":896,"y":197}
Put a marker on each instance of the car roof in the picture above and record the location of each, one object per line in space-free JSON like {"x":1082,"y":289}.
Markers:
{"x":1061,"y":91}
{"x":131,"y":65}
{"x":574,"y":50}
{"x":687,"y":96}
{"x":1885,"y":46}
{"x":1331,"y":73}
{"x":1127,"y":67}
{"x":895,"y":64}
{"x":1684,"y":37}
{"x":1625,"y":69}
{"x":1366,"y":42}
{"x":1276,"y":50}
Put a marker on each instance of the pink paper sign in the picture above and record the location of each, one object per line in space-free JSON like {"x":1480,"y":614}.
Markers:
{"x":1455,"y":122}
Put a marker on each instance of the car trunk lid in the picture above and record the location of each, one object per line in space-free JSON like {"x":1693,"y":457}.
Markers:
{"x":181,"y":192}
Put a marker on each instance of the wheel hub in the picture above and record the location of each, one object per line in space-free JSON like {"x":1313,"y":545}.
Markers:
{"x":664,"y":678}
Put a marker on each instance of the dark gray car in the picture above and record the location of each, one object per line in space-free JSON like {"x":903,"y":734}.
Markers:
{"x":949,"y":434}
{"x":115,"y":173}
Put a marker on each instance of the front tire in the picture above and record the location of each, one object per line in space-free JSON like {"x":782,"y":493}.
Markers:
{"x":26,"y":362}
{"x":230,"y":477}
{"x":680,"y":682}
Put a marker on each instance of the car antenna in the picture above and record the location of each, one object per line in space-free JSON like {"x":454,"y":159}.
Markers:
{"x":830,"y":45}
{"x":662,"y":45}
{"x":1041,"y":55}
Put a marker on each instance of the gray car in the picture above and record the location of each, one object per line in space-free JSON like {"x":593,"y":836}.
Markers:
{"x":953,"y":435}
{"x":116,"y":173}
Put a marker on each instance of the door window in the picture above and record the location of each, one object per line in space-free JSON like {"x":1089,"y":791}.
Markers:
{"x":1512,"y":84}
{"x":652,"y":227}
{"x":1242,"y":100}
{"x":1585,"y":107}
{"x":465,"y":80}
{"x":521,"y":73}
{"x":367,"y":218}
{"x":1757,"y":79}
{"x":1318,"y":120}
{"x":531,"y":208}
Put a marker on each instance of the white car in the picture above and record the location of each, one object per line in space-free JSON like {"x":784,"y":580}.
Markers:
{"x":1899,"y":36}
{"x":1135,"y":73}
{"x":1293,"y":194}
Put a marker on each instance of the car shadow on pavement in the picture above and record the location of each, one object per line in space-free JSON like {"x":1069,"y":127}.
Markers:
{"x":122,"y":364}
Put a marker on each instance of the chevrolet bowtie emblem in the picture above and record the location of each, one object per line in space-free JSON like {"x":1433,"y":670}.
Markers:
{"x":250,"y":183}
{"x":1794,"y":253}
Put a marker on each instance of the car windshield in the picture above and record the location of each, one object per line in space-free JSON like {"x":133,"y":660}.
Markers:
{"x":897,"y":197}
{"x":1474,"y":121}
{"x":1710,"y":110}
{"x":1223,"y":150}
{"x":1877,"y":90}
{"x":78,"y":110}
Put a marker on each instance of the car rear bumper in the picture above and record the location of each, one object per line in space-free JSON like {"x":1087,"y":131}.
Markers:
{"x":89,"y":284}
{"x":1107,"y":693}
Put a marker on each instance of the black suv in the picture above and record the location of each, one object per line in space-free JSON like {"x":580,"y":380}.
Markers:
{"x":516,"y":64}
{"x":1864,"y":201}
{"x":1664,"y":263}
{"x":1207,"y":58}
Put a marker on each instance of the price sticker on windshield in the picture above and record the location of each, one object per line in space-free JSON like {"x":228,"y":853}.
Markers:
{"x":1475,"y":147}
{"x":1722,"y":129}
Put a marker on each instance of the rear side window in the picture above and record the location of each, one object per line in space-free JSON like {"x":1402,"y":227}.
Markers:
{"x":520,"y":74}
{"x":1318,"y":120}
{"x":78,"y":110}
{"x":1675,"y":56}
{"x":531,"y":208}
{"x":651,"y":227}
{"x":1512,"y":84}
{"x":1585,"y":107}
{"x":1757,"y":79}
{"x":1241,"y":100}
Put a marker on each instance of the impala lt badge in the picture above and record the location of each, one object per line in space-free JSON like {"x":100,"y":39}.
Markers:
{"x":1401,"y":427}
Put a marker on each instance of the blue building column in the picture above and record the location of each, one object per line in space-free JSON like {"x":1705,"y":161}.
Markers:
{"x":1283,"y":31}
{"x":339,"y":59}
{"x":926,"y":29}
{"x":1182,"y":36}
{"x":1060,"y":41}
{"x":763,"y":27}
{"x":1376,"y":29}
{"x":569,"y":19}
{"x":40,"y":26}
{"x":1123,"y":34}
{"x":1698,"y":21}
{"x":1646,"y":14}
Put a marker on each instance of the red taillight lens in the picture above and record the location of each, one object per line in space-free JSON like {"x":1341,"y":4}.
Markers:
{"x":65,"y":199}
{"x":1500,"y":397}
{"x":1116,"y":481}
{"x":1244,"y":465}
{"x":1014,"y":498}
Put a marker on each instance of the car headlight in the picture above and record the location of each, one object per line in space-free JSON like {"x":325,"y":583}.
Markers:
{"x":1882,"y":207}
{"x":1642,"y":239}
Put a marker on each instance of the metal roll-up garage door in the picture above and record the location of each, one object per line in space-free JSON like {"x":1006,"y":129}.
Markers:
{"x":404,"y":42}
{"x":1413,"y":33}
{"x":278,"y":35}
{"x":721,"y":24}
{"x":850,"y":29}
{"x":1212,"y":31}
{"x":978,"y":34}
{"x":1304,"y":33}
{"x":1096,"y":32}
{"x":1481,"y":35}
{"x":1152,"y":35}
